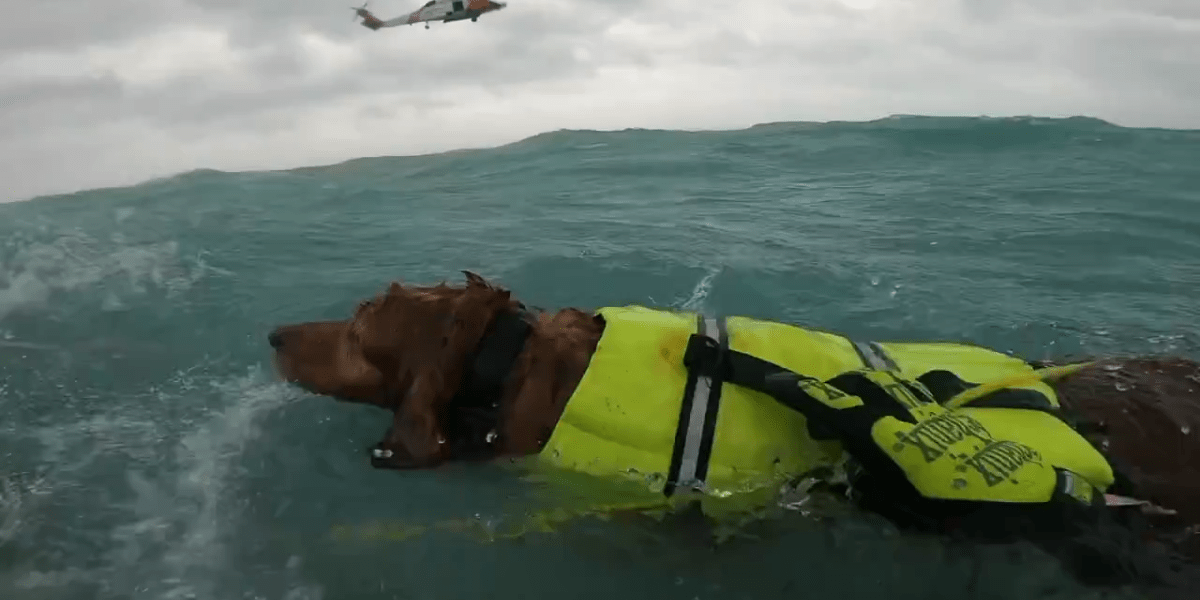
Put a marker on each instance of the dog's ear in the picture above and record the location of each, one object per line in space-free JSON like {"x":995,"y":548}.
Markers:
{"x":473,"y":279}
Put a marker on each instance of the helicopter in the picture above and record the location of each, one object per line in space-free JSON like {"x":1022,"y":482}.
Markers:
{"x":445,"y":11}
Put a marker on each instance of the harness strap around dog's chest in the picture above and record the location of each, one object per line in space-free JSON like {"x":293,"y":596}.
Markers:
{"x":475,"y":409}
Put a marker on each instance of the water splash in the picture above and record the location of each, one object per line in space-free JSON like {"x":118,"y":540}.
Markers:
{"x":32,"y":269}
{"x":19,"y":495}
{"x":700,"y":292}
{"x":179,"y":515}
{"x":196,"y":503}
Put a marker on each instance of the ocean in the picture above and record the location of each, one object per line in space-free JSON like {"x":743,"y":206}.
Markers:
{"x":149,"y":451}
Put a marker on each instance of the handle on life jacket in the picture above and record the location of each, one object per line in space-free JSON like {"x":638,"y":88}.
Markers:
{"x":1042,"y":374}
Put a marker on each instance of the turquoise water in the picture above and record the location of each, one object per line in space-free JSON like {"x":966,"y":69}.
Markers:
{"x":148,"y":452}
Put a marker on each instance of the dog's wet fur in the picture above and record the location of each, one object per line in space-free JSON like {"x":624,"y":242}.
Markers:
{"x":407,"y":349}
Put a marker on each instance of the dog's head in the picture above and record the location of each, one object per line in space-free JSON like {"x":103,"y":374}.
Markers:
{"x":409,"y":345}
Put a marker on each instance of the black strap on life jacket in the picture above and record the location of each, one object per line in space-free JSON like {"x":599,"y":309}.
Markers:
{"x":471,"y":417}
{"x":718,"y":363}
{"x":708,"y":360}
{"x":885,"y":486}
{"x":701,"y":401}
{"x":710,"y":364}
{"x":721,"y":364}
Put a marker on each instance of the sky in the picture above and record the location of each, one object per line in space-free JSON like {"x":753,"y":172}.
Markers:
{"x":99,"y":93}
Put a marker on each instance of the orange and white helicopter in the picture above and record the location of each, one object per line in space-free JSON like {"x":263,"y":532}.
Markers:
{"x":433,"y":10}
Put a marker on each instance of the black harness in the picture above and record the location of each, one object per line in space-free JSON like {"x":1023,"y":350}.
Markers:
{"x":470,"y":419}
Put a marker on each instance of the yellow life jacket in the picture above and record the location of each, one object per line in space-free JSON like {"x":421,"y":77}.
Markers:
{"x":638,"y":414}
{"x":896,"y":427}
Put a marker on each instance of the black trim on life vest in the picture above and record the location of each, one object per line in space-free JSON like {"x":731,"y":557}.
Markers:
{"x":873,"y":356}
{"x":863,"y":353}
{"x":694,"y":440}
{"x":710,"y":414}
{"x":685,"y":410}
{"x":471,"y":418}
{"x":888,"y":363}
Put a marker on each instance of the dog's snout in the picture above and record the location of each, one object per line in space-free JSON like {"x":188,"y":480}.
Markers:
{"x":275,"y":338}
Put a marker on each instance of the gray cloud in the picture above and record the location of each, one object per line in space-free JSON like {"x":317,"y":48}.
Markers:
{"x":279,"y":75}
{"x":29,"y":106}
{"x":1159,"y":55}
{"x":67,"y":24}
{"x":124,"y":90}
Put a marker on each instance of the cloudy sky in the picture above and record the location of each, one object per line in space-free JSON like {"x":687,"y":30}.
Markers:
{"x":108,"y":92}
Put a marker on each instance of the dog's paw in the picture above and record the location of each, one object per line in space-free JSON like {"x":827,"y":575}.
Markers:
{"x":385,"y":458}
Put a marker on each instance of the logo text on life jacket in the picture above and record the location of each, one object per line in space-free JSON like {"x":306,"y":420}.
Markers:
{"x":829,"y":395}
{"x":934,"y":436}
{"x":998,"y":460}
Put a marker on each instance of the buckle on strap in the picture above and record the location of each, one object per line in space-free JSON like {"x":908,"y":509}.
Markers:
{"x":705,"y":356}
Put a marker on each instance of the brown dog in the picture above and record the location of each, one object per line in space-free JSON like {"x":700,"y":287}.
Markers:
{"x":408,"y":351}
{"x":411,"y":351}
